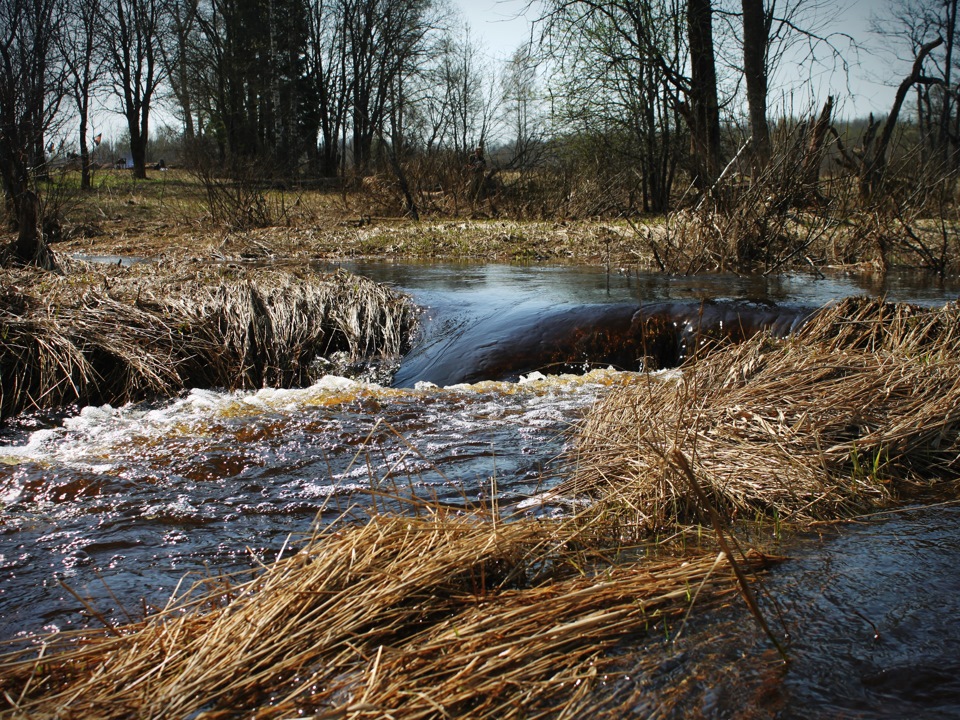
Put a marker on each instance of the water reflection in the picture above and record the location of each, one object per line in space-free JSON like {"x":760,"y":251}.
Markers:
{"x":501,"y":285}
{"x":500,"y":320}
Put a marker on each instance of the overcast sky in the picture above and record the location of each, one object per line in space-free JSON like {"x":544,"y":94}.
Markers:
{"x":501,"y":26}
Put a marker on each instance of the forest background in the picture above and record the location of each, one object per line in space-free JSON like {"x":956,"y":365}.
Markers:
{"x":707,"y":130}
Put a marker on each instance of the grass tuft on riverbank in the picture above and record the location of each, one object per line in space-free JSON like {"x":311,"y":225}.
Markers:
{"x":858,"y":409}
{"x":109,"y":334}
{"x":437,"y":615}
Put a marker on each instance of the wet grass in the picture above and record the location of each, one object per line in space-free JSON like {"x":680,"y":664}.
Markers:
{"x":107,"y":334}
{"x":854,"y":413}
{"x":406,"y":617}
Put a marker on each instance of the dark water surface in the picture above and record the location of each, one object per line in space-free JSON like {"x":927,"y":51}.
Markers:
{"x":874,"y":619}
{"x":867,"y":612}
{"x":475,"y":311}
{"x":119,"y":504}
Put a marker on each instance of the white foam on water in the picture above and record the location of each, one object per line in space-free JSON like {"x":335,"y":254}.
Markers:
{"x":34,"y":447}
{"x":325,"y":490}
{"x":98,"y":429}
{"x":532,"y":377}
{"x":103,"y":438}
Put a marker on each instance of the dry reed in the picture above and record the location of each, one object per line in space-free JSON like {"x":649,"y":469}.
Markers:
{"x":438,"y":615}
{"x":860,"y":406}
{"x":113,"y":335}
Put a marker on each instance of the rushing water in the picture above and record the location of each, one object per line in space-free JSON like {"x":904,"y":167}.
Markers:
{"x":118,"y":505}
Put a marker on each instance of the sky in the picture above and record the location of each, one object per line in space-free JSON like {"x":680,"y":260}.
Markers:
{"x":502,"y":25}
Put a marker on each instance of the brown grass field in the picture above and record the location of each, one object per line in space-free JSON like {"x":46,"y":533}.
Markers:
{"x":174,"y":215}
{"x":169,"y":216}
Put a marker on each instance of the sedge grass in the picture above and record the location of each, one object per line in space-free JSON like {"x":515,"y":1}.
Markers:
{"x":857,"y":409}
{"x":404,"y":617}
{"x":103,"y":334}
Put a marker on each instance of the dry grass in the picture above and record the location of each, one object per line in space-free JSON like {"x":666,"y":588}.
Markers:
{"x":776,"y":222}
{"x":168,"y":216}
{"x":860,"y":407}
{"x":102,"y":334}
{"x":404,"y":617}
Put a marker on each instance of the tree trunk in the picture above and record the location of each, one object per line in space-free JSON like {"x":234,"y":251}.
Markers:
{"x":30,"y":248}
{"x":329,"y":156}
{"x":945,"y":111}
{"x":816,"y":139}
{"x":138,"y":151}
{"x":85,"y":182}
{"x":756,"y":28}
{"x":704,"y":110}
{"x":29,"y":238}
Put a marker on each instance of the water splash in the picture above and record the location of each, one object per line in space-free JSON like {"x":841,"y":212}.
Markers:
{"x":142,"y":494}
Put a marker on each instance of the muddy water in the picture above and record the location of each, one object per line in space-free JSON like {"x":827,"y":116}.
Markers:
{"x":119,"y":505}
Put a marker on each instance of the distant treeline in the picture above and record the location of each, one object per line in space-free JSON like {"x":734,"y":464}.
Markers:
{"x":628,"y":106}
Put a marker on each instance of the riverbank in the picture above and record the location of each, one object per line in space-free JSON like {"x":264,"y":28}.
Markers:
{"x":108,"y":333}
{"x":168,"y":217}
{"x":172,"y":216}
{"x":852,"y":414}
{"x":458,"y":610}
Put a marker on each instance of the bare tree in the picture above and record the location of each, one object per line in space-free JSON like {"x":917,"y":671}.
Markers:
{"x":756,"y":34}
{"x":131,"y":31}
{"x":673,"y":36}
{"x":457,"y":94}
{"x":180,"y":60}
{"x":909,"y":25}
{"x":467,"y":76}
{"x":386,"y":41}
{"x":772,"y":32}
{"x":83,"y":65}
{"x":870,"y":163}
{"x":327,"y":80}
{"x":524,"y":109}
{"x":621,"y":83}
{"x":31,"y":90}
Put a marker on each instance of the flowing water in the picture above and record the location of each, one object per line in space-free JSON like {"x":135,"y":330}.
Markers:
{"x":119,"y":505}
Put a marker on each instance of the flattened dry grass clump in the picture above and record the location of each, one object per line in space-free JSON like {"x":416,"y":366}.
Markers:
{"x":102,"y":334}
{"x":438,"y":615}
{"x":860,"y":407}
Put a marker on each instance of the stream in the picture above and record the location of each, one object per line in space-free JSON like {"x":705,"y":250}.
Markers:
{"x":120,"y":505}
